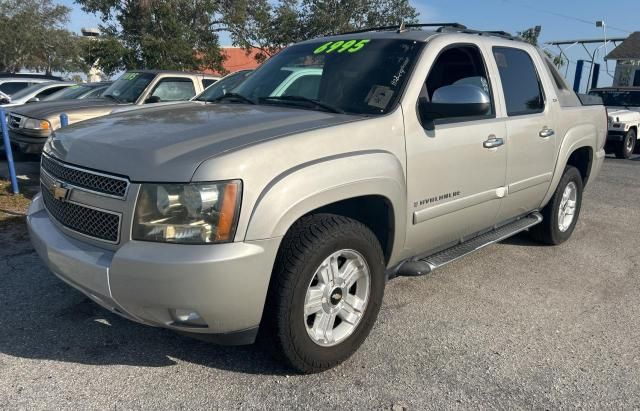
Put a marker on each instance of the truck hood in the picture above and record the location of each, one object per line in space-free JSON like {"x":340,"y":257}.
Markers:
{"x":169,"y":143}
{"x":624,"y":113}
{"x":51,"y":110}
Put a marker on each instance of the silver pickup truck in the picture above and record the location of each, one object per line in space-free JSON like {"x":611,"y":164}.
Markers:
{"x":283,"y":215}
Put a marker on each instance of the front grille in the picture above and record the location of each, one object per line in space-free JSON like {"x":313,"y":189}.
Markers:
{"x":14,"y":121}
{"x":88,"y":221}
{"x":112,"y":186}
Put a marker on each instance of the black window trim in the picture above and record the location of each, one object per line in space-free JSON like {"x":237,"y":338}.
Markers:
{"x":455,"y":120}
{"x":540,"y":86}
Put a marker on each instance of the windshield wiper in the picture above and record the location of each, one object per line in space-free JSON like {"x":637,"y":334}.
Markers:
{"x":236,"y":96}
{"x":111,"y":96}
{"x":300,"y":99}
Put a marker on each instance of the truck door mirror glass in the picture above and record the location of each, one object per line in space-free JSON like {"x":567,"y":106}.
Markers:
{"x":456,"y":100}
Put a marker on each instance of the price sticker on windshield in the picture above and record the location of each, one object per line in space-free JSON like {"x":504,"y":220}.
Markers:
{"x":341,"y":46}
{"x":129,"y":76}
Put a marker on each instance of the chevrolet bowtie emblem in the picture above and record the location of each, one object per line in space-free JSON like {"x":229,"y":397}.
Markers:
{"x":59,"y":191}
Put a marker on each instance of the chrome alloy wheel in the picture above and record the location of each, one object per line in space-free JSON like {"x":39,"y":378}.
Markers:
{"x":629,"y":144}
{"x":337,"y":297}
{"x":567,"y":209}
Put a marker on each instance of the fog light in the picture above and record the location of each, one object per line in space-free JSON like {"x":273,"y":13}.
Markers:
{"x":187,"y":318}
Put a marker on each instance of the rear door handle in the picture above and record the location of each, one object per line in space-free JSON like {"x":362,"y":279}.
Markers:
{"x":546,"y":132}
{"x":493,"y":142}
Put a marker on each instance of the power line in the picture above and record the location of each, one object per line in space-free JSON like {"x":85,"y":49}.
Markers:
{"x":566,"y":16}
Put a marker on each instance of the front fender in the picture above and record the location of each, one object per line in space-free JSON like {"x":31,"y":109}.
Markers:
{"x":310,"y":186}
{"x":584,"y":135}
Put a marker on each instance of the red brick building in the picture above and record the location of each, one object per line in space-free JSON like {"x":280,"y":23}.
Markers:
{"x":238,"y":59}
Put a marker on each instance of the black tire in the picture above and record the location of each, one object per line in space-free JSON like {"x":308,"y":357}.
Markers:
{"x":305,"y":246}
{"x":548,"y":231}
{"x":627,"y":146}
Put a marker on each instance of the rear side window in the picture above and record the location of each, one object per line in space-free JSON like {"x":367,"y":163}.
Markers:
{"x":520,"y":82}
{"x":13,"y":87}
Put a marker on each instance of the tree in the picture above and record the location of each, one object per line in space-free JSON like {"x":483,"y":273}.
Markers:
{"x":32,"y":36}
{"x":155,"y":34}
{"x":531,"y":36}
{"x":271,"y":25}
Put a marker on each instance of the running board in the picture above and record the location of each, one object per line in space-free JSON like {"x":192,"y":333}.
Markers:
{"x":423,"y":266}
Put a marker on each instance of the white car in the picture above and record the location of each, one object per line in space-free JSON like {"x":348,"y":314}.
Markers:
{"x":623,"y":112}
{"x":11,"y":85}
{"x":36,"y":93}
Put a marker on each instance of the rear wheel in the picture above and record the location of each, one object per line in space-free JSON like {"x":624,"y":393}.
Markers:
{"x":627,"y":146}
{"x":326,"y":291}
{"x":561,"y":214}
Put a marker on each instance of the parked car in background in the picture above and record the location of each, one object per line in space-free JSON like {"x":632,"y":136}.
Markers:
{"x":285,"y":205}
{"x":623,"y":111}
{"x":12,"y":83}
{"x":30,"y":125}
{"x":80,"y":91}
{"x":223,"y":86}
{"x":36,"y":93}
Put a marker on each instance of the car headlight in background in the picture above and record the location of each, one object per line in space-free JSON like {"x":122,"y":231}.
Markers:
{"x":35,"y":124}
{"x":196,"y":213}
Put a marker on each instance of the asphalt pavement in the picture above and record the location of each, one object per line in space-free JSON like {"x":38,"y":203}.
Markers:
{"x":516,"y":325}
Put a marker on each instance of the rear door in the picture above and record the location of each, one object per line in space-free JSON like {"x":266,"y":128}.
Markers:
{"x":531,"y":138}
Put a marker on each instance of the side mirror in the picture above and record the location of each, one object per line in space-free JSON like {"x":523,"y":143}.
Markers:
{"x":152,"y":99}
{"x":33,"y":100}
{"x":457,"y":100}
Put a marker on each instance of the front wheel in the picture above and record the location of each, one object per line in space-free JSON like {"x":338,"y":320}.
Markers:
{"x":326,"y":291}
{"x":627,"y":146}
{"x":561,"y":214}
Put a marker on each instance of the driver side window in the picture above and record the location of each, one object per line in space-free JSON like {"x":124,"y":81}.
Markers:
{"x":461,"y":66}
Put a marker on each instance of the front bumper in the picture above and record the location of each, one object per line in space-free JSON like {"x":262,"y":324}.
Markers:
{"x":29,"y":142}
{"x":226,"y":284}
{"x":615,"y":135}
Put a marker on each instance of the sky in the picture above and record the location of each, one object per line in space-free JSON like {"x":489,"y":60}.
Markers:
{"x":560,"y":20}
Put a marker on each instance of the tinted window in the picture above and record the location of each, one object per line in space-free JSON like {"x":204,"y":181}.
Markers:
{"x":174,"y":89}
{"x":520,"y":82}
{"x":13,"y":87}
{"x":206,"y":82}
{"x":461,"y":65}
{"x":49,"y":91}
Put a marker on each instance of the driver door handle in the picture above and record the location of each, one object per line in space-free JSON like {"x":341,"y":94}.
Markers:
{"x":546,"y":132}
{"x":493,"y":142}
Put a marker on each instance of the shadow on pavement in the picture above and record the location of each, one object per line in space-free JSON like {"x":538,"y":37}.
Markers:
{"x":45,"y":319}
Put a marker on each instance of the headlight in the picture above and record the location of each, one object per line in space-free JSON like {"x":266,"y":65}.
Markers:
{"x":35,"y":124}
{"x":197,"y":213}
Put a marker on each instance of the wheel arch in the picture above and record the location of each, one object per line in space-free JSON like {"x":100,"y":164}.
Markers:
{"x":576,"y":149}
{"x":368,"y":187}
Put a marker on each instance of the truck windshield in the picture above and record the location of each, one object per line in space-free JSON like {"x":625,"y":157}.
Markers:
{"x":627,"y":98}
{"x":357,"y":76}
{"x":128,"y":87}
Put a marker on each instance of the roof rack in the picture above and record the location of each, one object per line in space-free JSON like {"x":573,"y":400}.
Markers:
{"x":402,"y":27}
{"x":442,"y":28}
{"x":497,"y":33}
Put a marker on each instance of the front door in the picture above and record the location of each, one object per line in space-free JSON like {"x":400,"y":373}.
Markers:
{"x":455,"y":166}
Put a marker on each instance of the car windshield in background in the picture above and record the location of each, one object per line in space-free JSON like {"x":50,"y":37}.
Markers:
{"x":128,"y":87}
{"x":69,"y":93}
{"x":357,"y":76}
{"x":619,"y":98}
{"x":223,"y":86}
